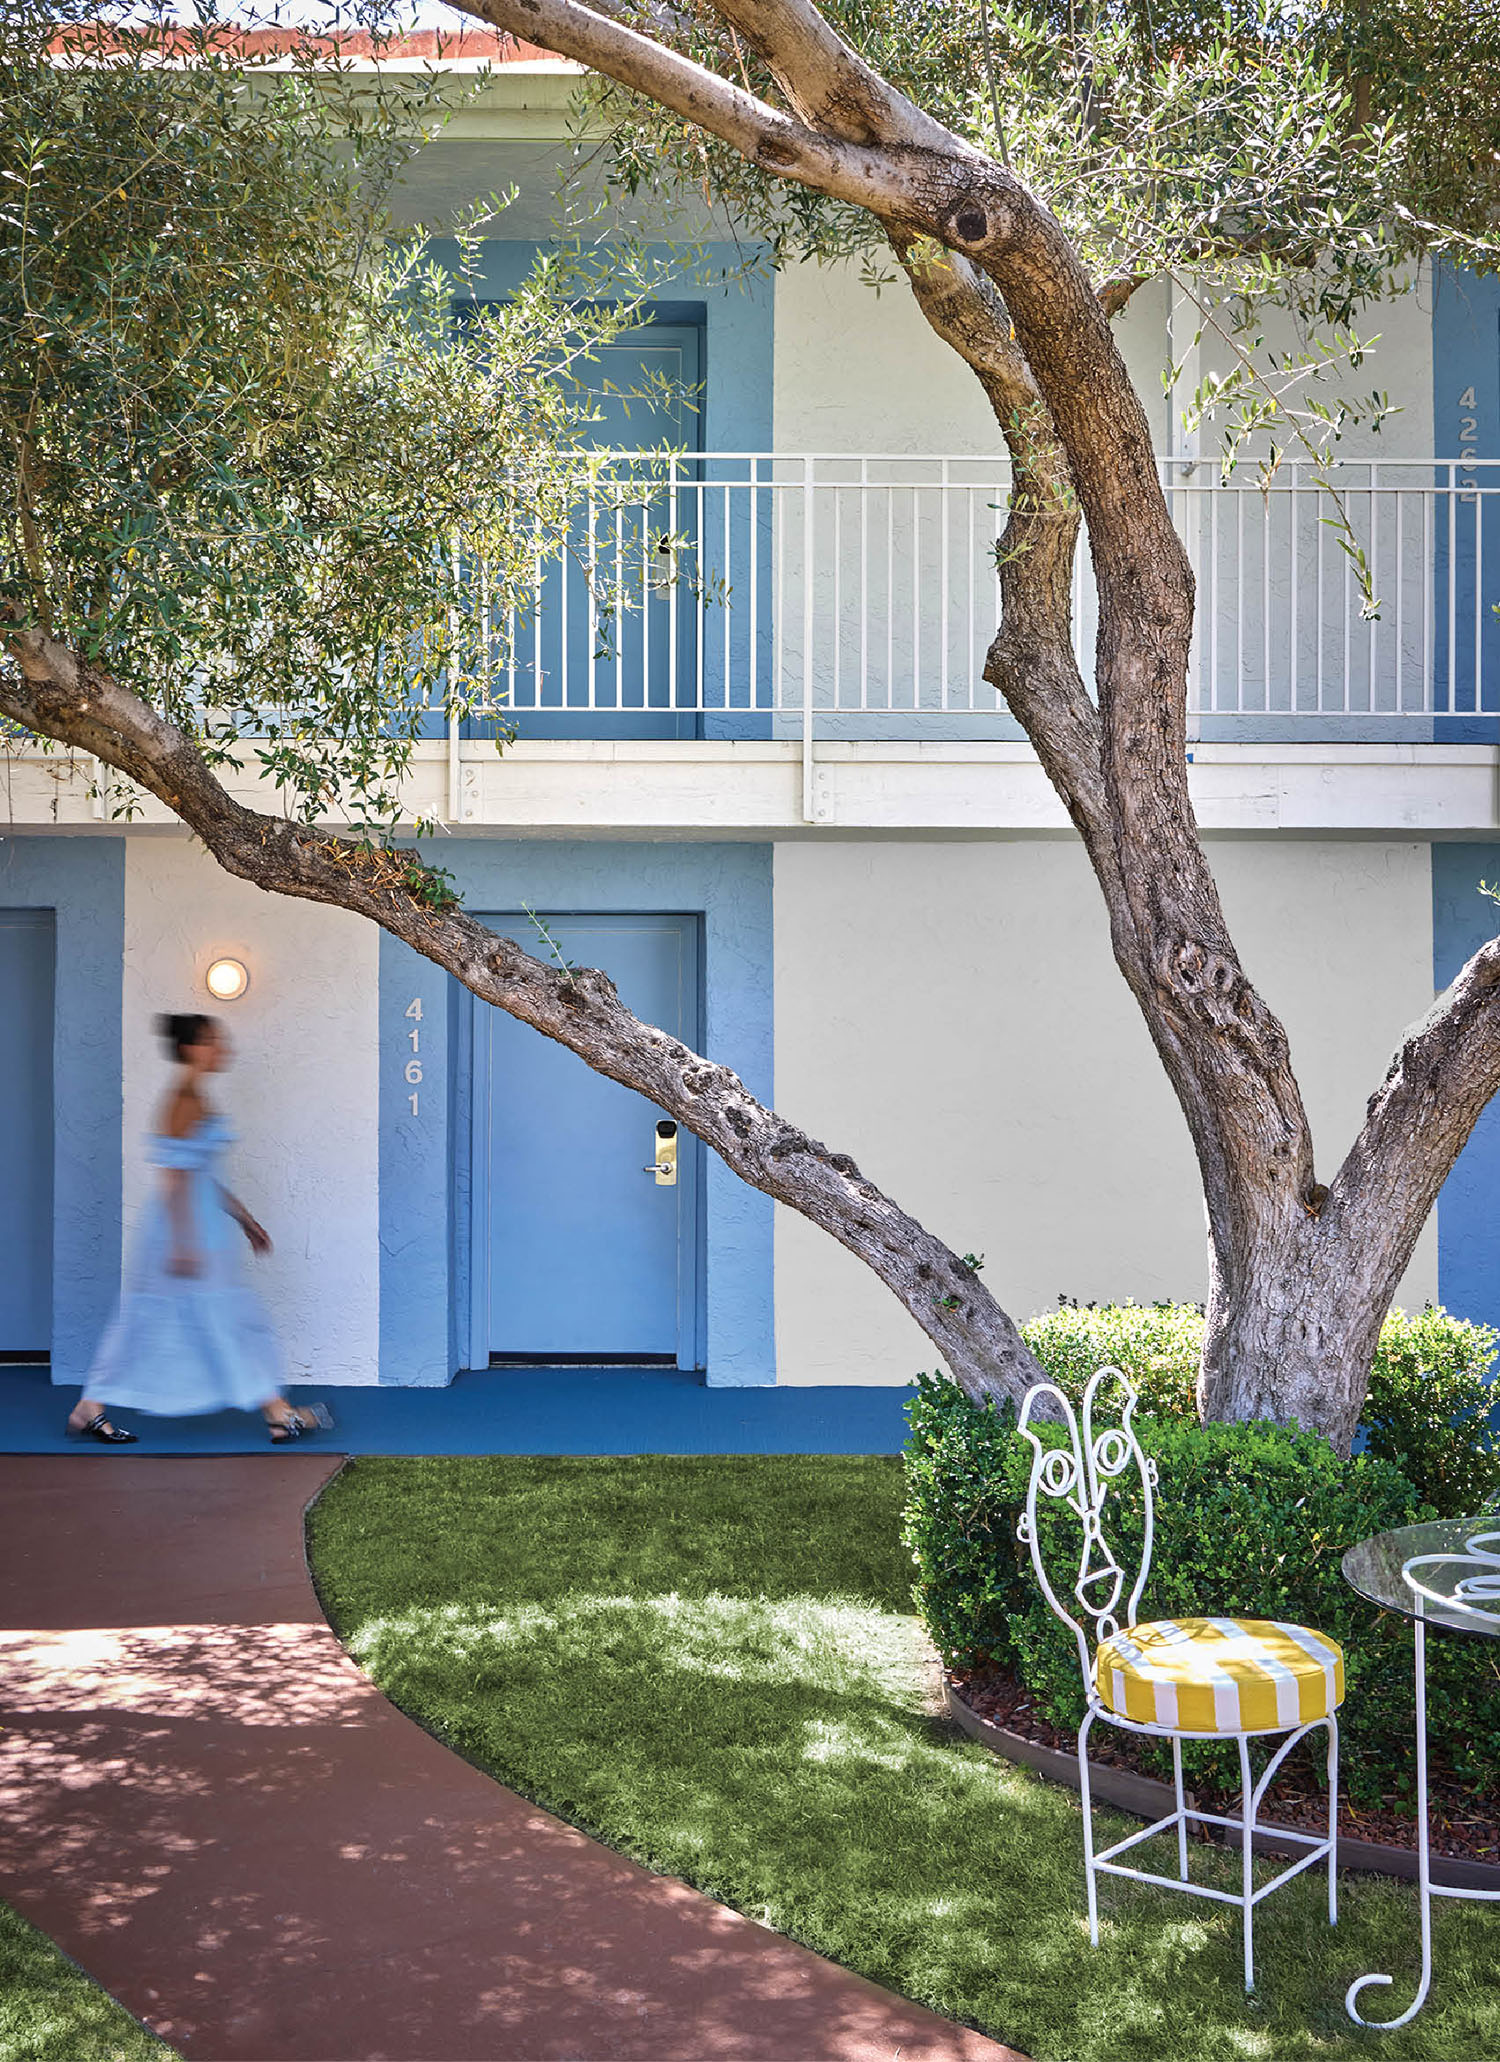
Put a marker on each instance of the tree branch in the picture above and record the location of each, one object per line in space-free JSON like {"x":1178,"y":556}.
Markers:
{"x":1419,"y":1120}
{"x":1182,"y":982}
{"x":827,"y":82}
{"x":935,"y":184}
{"x":1115,"y":294}
{"x":1031,"y":662}
{"x":848,"y":171}
{"x":58,"y":694}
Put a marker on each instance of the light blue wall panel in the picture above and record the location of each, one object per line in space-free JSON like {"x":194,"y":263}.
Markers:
{"x":1469,"y":1205}
{"x":423,"y":1236}
{"x":416,"y":1345}
{"x":82,"y":879}
{"x":1466,"y":544}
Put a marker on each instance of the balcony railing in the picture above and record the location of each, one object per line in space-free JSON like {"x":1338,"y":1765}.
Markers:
{"x":745,"y":595}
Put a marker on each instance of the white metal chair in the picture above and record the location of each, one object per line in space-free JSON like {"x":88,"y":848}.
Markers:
{"x":1175,"y":1679}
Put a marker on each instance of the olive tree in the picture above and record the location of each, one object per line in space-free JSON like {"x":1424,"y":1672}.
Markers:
{"x":1029,"y":168}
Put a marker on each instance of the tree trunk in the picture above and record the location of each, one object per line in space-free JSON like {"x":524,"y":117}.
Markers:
{"x":1292,"y":1329}
{"x":1289,"y":1338}
{"x":1294,"y":1347}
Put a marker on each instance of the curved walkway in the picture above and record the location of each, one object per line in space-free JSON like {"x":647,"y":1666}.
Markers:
{"x":210,"y":1808}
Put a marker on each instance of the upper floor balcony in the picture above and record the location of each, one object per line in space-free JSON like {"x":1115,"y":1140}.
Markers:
{"x":853,"y":599}
{"x":756,"y":645}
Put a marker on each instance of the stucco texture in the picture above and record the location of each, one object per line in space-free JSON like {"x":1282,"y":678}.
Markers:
{"x":949,"y":1014}
{"x":860,"y":371}
{"x":302,"y":1095}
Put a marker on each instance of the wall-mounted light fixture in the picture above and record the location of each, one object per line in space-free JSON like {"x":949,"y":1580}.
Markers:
{"x":227,"y":980}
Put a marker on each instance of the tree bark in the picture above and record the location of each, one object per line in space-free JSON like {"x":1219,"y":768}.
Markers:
{"x":61,"y":695}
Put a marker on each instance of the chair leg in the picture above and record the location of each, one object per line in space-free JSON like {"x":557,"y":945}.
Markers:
{"x":1088,"y":1827}
{"x":1182,"y":1865}
{"x":1247,"y":1858}
{"x":1333,"y":1820}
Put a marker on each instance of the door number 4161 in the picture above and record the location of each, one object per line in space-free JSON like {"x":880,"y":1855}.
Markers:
{"x":414,"y":1065}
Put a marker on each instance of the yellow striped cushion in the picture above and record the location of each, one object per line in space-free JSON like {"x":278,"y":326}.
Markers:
{"x":1220,"y":1675}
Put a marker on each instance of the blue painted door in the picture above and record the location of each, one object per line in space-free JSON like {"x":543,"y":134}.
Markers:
{"x":579,"y":1253}
{"x":26,"y":973}
{"x":606,"y":653}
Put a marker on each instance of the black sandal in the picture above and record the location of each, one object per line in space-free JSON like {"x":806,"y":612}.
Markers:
{"x":304,"y":1417}
{"x":100,"y":1428}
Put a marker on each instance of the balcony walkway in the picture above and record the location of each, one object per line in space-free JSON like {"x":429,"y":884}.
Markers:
{"x":209,"y":1807}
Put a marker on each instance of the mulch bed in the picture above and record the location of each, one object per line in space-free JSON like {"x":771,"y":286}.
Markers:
{"x":1463,"y":1825}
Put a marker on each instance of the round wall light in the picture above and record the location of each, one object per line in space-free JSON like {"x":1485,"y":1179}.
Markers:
{"x":227,"y":980}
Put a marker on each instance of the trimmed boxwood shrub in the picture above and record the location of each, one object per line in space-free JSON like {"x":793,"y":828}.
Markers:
{"x":1157,"y":1344}
{"x":1428,"y":1407}
{"x":1251,"y":1521}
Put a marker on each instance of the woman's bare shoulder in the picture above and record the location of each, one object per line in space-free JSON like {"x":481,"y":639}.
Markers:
{"x":180,"y":1111}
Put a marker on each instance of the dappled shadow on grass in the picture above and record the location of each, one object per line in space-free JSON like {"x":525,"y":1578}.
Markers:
{"x":697,"y":1708}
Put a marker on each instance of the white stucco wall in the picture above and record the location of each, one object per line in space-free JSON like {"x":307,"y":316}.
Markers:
{"x":1397,"y":363}
{"x":302,"y":1095}
{"x":861,"y":371}
{"x":857,"y":371}
{"x":949,"y":1014}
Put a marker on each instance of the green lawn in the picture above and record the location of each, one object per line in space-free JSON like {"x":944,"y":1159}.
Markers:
{"x":51,"y":2012}
{"x":711,"y":1665}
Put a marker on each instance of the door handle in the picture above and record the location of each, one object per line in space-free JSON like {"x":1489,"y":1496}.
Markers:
{"x":664,"y":1166}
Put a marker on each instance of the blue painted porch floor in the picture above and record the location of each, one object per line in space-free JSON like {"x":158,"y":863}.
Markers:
{"x":502,"y":1410}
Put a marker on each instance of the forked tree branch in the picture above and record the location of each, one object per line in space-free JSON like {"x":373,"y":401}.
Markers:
{"x":762,"y":134}
{"x":52,"y":691}
{"x":1042,"y":343}
{"x":827,"y":81}
{"x":1444,"y":1072}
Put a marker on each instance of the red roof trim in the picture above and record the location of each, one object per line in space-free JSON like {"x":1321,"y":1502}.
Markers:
{"x":428,"y":45}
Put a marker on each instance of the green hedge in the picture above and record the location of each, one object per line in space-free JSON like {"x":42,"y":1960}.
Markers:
{"x":1428,"y":1407}
{"x":1251,"y":1520}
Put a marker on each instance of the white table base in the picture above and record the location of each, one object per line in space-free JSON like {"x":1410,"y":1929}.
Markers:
{"x":1427,"y":1890}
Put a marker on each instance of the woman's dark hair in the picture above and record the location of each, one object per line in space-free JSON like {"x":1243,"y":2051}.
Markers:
{"x":184,"y":1032}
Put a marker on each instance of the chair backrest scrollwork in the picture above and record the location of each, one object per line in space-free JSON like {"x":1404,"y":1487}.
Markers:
{"x":1082,"y":1475}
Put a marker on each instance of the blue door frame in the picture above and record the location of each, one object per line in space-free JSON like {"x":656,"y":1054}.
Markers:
{"x":630,"y":1134}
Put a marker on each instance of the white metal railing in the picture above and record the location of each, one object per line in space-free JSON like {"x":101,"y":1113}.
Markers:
{"x":737,"y":593}
{"x":1284,"y":633}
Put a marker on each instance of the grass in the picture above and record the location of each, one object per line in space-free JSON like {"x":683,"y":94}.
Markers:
{"x":51,"y":2012}
{"x":711,"y":1665}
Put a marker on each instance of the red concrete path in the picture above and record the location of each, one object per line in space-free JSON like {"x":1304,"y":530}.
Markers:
{"x":208,"y":1806}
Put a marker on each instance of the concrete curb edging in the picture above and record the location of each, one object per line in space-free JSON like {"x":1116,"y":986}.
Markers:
{"x":1146,"y":1798}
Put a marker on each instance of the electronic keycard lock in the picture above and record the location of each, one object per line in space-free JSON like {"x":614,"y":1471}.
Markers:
{"x":664,"y":1167}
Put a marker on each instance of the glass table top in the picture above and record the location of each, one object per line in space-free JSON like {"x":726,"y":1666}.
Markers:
{"x":1447,"y":1573}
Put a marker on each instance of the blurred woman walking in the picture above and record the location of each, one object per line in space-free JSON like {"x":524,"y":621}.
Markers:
{"x":190,"y":1335}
